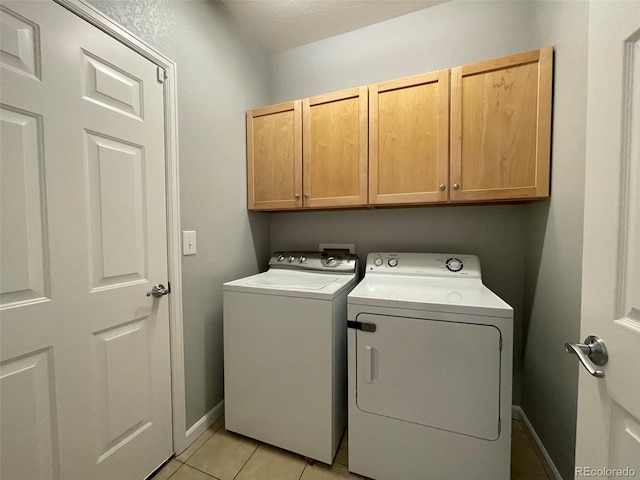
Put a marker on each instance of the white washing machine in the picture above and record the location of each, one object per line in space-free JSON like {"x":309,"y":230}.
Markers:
{"x":430,"y":353}
{"x":285,"y":367}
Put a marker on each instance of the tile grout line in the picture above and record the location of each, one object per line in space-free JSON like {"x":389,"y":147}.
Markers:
{"x":245,"y":463}
{"x":303,"y":470}
{"x":197,"y":449}
{"x":195,"y":468}
{"x":163,"y":466}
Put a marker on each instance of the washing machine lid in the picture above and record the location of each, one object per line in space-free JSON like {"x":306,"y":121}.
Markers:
{"x":447,"y":295}
{"x":294,"y":283}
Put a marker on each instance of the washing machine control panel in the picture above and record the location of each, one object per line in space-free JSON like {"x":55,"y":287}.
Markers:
{"x":318,"y":261}
{"x":424,"y":264}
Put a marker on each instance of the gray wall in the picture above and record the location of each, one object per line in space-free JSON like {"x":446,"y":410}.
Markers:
{"x":443,"y":36}
{"x":221,"y":74}
{"x":553,"y":258}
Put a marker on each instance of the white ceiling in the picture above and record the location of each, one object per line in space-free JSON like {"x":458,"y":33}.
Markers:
{"x":282,"y":24}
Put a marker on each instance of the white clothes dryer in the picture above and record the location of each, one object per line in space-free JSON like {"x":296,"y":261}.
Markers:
{"x":285,"y":367}
{"x":430,"y":361}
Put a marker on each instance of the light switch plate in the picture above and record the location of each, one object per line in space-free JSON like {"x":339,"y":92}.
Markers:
{"x":188,"y":242}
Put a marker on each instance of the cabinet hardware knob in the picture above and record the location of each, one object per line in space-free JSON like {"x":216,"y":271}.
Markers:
{"x":443,"y":187}
{"x":456,"y":186}
{"x":306,"y":195}
{"x":297,"y":196}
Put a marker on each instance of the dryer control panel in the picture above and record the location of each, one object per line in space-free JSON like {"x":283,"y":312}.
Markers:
{"x":453,"y":265}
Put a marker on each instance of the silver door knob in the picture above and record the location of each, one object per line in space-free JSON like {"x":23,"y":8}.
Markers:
{"x":443,"y":187}
{"x":592,"y":350}
{"x":158,"y":291}
{"x":456,"y":186}
{"x":306,"y":195}
{"x":297,"y":196}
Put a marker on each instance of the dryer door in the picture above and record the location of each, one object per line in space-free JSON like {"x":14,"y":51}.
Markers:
{"x":436,"y":373}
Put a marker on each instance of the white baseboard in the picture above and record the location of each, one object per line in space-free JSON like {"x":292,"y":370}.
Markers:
{"x":549,"y":466}
{"x":205,"y":422}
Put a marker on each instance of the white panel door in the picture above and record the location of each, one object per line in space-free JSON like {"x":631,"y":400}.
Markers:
{"x":608,"y":434}
{"x":84,"y":366}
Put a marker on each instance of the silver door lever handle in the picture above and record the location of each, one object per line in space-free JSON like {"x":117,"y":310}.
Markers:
{"x":592,"y":350}
{"x":158,"y":291}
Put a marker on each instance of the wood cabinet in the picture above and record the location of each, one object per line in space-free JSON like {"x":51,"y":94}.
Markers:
{"x":274,"y":157}
{"x":475,"y":133}
{"x":409,"y":140}
{"x":501,"y":128}
{"x":308,"y":153}
{"x":334,"y":151}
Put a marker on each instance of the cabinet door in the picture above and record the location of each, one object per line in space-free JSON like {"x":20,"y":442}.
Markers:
{"x":335,"y":149}
{"x":409,"y":140}
{"x":274,"y":157}
{"x":501,"y":128}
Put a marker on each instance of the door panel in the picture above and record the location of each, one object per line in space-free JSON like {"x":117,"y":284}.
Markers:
{"x":274,"y":157}
{"x":608,"y":431}
{"x":625,"y":437}
{"x":335,"y":145}
{"x":84,"y":239}
{"x":329,"y":121}
{"x":441,"y":374}
{"x":409,"y":139}
{"x":25,"y":276}
{"x":123,"y":389}
{"x":110,"y":87}
{"x":20,"y":46}
{"x":501,"y":127}
{"x":28,"y":417}
{"x":117,"y":211}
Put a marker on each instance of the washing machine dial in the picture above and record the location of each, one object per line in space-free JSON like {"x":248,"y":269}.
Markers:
{"x":331,"y":261}
{"x":454,"y":264}
{"x":303,"y":259}
{"x":291,"y":258}
{"x":392,"y":262}
{"x":281,"y":258}
{"x":377,"y":262}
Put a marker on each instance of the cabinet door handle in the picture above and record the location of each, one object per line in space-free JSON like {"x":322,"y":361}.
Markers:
{"x":456,"y":186}
{"x":443,"y":187}
{"x":297,"y":196}
{"x":306,"y":195}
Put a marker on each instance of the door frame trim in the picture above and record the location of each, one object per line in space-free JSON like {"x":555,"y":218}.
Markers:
{"x":104,"y":23}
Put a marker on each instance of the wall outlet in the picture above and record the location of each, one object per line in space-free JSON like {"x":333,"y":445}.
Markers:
{"x":188,"y":242}
{"x":337,"y":246}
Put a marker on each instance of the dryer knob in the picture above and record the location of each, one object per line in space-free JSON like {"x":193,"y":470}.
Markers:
{"x":377,"y":262}
{"x":393,"y":262}
{"x":303,"y":259}
{"x":331,"y":261}
{"x":281,"y":258}
{"x":454,"y":264}
{"x":291,"y":258}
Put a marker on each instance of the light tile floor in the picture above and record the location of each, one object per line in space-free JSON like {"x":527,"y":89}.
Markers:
{"x":222,"y":455}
